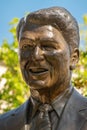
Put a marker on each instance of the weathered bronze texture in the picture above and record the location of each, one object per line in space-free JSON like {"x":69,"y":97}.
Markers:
{"x":48,"y":53}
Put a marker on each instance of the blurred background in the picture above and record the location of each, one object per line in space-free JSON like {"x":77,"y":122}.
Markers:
{"x":13,"y":90}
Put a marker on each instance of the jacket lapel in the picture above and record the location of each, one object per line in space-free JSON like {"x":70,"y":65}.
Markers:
{"x":72,"y":117}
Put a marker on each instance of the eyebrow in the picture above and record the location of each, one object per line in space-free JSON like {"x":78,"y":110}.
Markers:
{"x":29,"y":39}
{"x":48,"y":40}
{"x":21,"y":43}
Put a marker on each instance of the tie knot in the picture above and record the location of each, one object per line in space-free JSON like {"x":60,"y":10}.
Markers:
{"x":45,"y":108}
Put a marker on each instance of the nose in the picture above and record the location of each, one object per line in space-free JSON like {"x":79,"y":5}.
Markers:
{"x":38,"y":53}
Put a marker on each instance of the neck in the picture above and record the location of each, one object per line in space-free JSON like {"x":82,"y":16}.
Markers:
{"x":48,"y":95}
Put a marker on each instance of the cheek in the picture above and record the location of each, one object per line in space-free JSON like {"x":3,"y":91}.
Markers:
{"x":54,"y":57}
{"x":24,"y":58}
{"x":24,"y":71}
{"x":58,"y":60}
{"x":25,"y":75}
{"x":24,"y":55}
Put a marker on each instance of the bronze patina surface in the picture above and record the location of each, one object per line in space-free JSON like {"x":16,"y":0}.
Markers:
{"x":48,"y":53}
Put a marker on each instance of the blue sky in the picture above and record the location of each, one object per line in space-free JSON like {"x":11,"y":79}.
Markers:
{"x":17,"y":8}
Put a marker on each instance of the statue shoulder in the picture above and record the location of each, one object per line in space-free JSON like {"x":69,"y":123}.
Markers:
{"x":13,"y":119}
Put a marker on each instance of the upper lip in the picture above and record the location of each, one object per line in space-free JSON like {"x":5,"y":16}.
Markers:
{"x":37,"y":70}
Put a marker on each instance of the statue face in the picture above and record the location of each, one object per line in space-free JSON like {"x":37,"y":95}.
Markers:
{"x":44,"y":57}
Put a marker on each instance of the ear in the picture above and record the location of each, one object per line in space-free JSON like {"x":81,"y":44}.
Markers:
{"x":74,"y":58}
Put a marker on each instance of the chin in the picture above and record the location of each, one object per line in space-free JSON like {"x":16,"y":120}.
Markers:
{"x":38,"y":85}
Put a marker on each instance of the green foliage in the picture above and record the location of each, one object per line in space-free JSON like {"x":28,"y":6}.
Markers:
{"x":85,"y":19}
{"x":14,"y":92}
{"x":80,"y":74}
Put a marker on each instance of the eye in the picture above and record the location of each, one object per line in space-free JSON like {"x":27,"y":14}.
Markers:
{"x":24,"y":46}
{"x":27,"y":47}
{"x":48,"y":47}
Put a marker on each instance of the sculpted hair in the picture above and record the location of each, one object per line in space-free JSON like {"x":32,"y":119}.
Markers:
{"x":59,"y":18}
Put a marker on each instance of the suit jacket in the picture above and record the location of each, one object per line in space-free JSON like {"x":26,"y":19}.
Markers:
{"x":74,"y":116}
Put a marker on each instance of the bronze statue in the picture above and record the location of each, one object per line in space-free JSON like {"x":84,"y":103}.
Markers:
{"x":48,"y":53}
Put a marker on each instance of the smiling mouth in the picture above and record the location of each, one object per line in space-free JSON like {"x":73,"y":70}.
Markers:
{"x":38,"y":71}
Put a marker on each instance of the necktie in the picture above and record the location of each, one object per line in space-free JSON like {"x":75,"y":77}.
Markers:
{"x":44,"y":120}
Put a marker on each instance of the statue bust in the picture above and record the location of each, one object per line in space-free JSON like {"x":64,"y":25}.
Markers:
{"x":48,"y":53}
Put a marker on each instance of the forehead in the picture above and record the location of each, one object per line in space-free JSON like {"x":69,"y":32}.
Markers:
{"x":41,"y":32}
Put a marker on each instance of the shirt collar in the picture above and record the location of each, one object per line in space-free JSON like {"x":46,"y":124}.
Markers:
{"x":58,"y":104}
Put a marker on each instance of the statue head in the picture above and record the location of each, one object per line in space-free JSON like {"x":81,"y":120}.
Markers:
{"x":48,"y":47}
